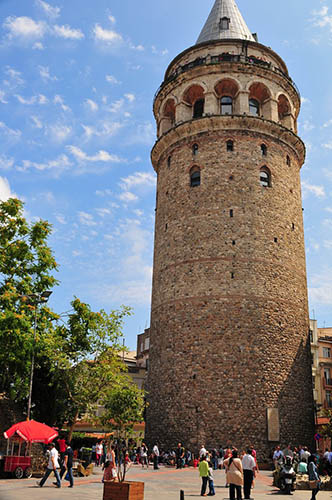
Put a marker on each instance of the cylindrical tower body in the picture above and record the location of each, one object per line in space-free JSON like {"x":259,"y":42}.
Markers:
{"x":229,"y":347}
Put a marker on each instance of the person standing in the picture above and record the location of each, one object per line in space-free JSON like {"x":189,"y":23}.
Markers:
{"x":204,"y":474}
{"x":180,"y":451}
{"x":53,"y":465}
{"x":234,"y":475}
{"x":99,"y":453}
{"x":211,"y":483}
{"x":68,"y":465}
{"x":202,"y":452}
{"x":249,"y":467}
{"x":314,"y":480}
{"x":156,"y":454}
{"x":144,"y":455}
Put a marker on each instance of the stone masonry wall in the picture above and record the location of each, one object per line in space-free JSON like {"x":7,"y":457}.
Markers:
{"x":229,"y":318}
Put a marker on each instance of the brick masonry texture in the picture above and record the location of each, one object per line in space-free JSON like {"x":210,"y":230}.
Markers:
{"x":229,"y":317}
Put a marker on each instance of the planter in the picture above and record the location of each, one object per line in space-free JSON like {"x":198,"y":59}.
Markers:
{"x":128,"y":490}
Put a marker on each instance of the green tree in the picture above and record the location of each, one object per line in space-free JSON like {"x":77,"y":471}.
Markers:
{"x":124,"y":406}
{"x":26,"y":267}
{"x":86,"y":361}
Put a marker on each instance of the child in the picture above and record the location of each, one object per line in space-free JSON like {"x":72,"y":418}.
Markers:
{"x":211,"y":484}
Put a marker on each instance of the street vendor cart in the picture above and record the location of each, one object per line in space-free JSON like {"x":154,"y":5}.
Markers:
{"x":20,"y":437}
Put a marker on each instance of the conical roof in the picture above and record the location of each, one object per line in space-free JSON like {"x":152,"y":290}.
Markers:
{"x":225,"y":21}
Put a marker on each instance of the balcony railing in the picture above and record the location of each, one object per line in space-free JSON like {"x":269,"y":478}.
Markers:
{"x":224,"y":58}
{"x":327,"y":404}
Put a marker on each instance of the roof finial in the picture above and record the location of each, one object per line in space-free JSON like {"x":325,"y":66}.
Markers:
{"x":225,"y":21}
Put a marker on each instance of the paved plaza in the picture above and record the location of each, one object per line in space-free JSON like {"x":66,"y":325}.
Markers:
{"x":164,"y":484}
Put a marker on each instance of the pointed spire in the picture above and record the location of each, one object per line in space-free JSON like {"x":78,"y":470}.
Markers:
{"x":225,"y":21}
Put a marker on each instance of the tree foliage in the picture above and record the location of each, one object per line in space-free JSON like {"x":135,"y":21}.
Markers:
{"x":124,"y":406}
{"x":26,"y":267}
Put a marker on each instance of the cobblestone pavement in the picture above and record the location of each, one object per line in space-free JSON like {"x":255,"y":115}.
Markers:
{"x":164,"y":484}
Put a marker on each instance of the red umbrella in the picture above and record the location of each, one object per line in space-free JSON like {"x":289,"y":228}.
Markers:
{"x":32,"y":431}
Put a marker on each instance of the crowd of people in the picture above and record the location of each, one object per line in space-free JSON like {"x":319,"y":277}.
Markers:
{"x":241,"y":467}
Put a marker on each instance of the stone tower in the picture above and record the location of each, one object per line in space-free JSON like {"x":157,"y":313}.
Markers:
{"x":229,"y":353}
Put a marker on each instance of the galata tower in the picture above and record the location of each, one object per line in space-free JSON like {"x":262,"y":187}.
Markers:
{"x":229,"y":339}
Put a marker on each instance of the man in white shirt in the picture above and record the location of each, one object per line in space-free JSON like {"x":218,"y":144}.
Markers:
{"x":249,"y":466}
{"x":202,"y":452}
{"x":53,"y":465}
{"x":156,"y":454}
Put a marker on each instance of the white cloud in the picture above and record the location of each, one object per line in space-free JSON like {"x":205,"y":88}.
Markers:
{"x":2,"y":97}
{"x":68,"y":33}
{"x":24,"y":28}
{"x":29,"y":102}
{"x":327,"y":124}
{"x":10,"y":133}
{"x":6,"y":163}
{"x":130,"y":97}
{"x":111,"y":79}
{"x":304,"y":100}
{"x":92,"y":105}
{"x":105,"y":128}
{"x":108,"y":37}
{"x":112,"y":19}
{"x":38,"y":46}
{"x":307,"y":126}
{"x":308,"y":188}
{"x":36,"y":122}
{"x":5,"y":191}
{"x":138,"y":179}
{"x":328,"y":145}
{"x":144,"y":134}
{"x":61,"y":219}
{"x":101,"y":156}
{"x":116,"y":106}
{"x":42,"y":99}
{"x":140,"y":47}
{"x":44,"y":72}
{"x":59,"y":133}
{"x":127,"y":196}
{"x":102,"y":212}
{"x":52,"y":12}
{"x":86,"y":219}
{"x":61,"y":163}
{"x":15,"y":76}
{"x":58,"y":100}
{"x":320,"y":288}
{"x":322,"y":18}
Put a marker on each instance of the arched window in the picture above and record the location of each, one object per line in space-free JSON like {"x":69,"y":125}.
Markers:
{"x":288,"y":160}
{"x":226,"y":105}
{"x":195,"y":177}
{"x":265,"y":177}
{"x":254,"y":107}
{"x":264,"y":149}
{"x":230,"y":145}
{"x":195,"y":149}
{"x":198,"y":108}
{"x":224,"y":23}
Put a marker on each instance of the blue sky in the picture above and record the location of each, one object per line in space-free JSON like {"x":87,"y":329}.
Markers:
{"x":77,"y":80}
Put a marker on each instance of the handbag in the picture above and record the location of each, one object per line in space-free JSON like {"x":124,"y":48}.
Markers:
{"x":313,"y":484}
{"x":67,"y":478}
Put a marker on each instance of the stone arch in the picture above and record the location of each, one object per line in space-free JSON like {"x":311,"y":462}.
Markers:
{"x":194,"y":98}
{"x":227,"y":91}
{"x":261,"y":94}
{"x":285,"y":112}
{"x":167,"y":119}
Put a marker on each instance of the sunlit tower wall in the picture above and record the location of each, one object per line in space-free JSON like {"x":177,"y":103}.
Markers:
{"x":229,"y":352}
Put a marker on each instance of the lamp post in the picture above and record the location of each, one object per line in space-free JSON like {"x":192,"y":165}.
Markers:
{"x":34,"y":299}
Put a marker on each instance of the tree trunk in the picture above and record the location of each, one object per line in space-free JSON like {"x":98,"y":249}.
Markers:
{"x":71,"y":428}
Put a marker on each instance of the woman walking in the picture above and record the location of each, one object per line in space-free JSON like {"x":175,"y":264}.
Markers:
{"x":234,"y":475}
{"x":314,"y":480}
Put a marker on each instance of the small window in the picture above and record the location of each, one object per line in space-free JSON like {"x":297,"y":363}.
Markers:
{"x":233,"y":242}
{"x":275,"y":240}
{"x":224,"y":23}
{"x":169,"y":161}
{"x":326,"y":352}
{"x":293,"y":226}
{"x":230,"y":146}
{"x":195,"y":177}
{"x":265,"y":177}
{"x":198,"y":108}
{"x":232,"y":276}
{"x":195,"y":149}
{"x":264,"y":149}
{"x":288,"y":161}
{"x":254,"y":107}
{"x":226,"y":105}
{"x":231,"y":213}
